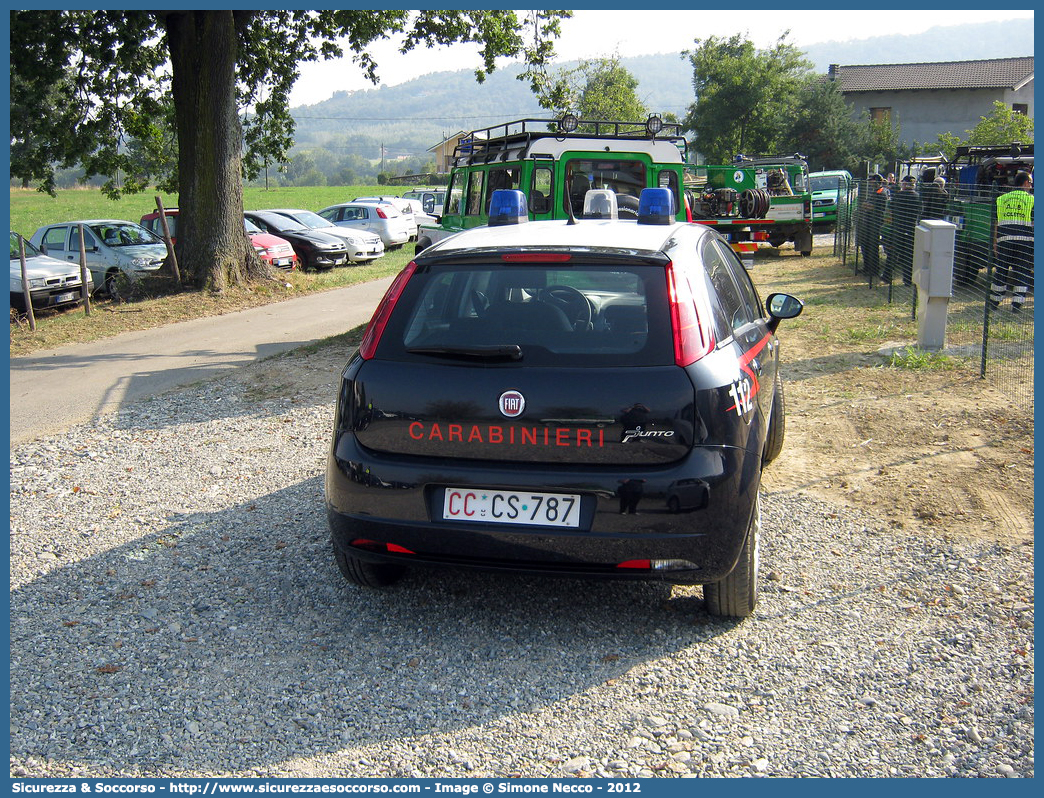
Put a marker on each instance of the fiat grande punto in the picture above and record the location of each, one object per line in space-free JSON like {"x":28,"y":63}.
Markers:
{"x":591,"y":398}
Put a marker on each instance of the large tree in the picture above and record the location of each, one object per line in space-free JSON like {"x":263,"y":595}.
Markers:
{"x":103,"y":77}
{"x":744,"y":96}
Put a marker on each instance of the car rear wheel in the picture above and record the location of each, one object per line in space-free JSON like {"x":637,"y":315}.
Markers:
{"x":736,"y":595}
{"x":777,"y":424}
{"x":367,"y":574}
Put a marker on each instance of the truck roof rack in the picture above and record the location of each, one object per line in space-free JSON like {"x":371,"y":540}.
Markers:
{"x":768,"y":160}
{"x":487,"y":144}
{"x":1013,"y":150}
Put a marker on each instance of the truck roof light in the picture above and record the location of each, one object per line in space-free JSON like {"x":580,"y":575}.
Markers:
{"x":656,"y":206}
{"x":568,"y":123}
{"x":600,"y":203}
{"x":507,"y":206}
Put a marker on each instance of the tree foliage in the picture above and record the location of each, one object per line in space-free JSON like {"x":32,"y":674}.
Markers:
{"x":598,"y":89}
{"x":822,"y":129}
{"x":85,"y":82}
{"x":1001,"y":126}
{"x":745,"y":97}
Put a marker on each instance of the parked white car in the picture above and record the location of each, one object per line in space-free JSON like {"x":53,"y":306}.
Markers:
{"x":420,"y":217}
{"x":52,"y":282}
{"x":113,"y":247}
{"x":362,"y":245}
{"x":431,"y":199}
{"x":406,"y":208}
{"x":381,"y":218}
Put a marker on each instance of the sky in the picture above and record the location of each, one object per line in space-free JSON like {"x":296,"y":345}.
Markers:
{"x":595,"y":34}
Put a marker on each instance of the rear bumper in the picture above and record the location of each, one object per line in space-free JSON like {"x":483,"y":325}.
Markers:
{"x":691,"y":517}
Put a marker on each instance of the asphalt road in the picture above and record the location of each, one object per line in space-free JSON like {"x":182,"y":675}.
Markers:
{"x":52,"y":390}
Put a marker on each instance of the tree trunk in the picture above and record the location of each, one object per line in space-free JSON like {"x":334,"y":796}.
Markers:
{"x":213,"y":248}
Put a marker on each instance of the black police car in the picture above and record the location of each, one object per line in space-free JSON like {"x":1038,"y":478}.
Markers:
{"x":592,"y":397}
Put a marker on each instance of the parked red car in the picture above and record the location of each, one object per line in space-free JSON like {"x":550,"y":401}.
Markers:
{"x":273,"y":250}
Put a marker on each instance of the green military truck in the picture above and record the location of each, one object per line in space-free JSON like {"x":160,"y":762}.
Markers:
{"x":754,"y":200}
{"x":554,"y":162}
{"x":975,"y":176}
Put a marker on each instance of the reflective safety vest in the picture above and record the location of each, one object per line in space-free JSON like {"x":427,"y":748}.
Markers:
{"x":1015,"y":207}
{"x":1015,"y":216}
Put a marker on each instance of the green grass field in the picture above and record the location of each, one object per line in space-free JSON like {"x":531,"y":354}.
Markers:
{"x":31,"y":209}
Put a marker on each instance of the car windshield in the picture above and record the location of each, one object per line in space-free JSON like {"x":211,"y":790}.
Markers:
{"x":124,"y":235}
{"x":251,"y":227}
{"x":826,"y":183}
{"x":312,"y":220}
{"x":280,"y":223}
{"x":30,"y":250}
{"x":595,"y":314}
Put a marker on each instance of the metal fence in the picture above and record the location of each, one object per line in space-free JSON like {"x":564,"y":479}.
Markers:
{"x":990,"y":313}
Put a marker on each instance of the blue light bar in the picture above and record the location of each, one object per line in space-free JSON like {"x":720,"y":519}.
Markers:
{"x":656,"y":206}
{"x":508,"y":206}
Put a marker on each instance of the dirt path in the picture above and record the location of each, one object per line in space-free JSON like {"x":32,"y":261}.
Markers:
{"x":935,"y":450}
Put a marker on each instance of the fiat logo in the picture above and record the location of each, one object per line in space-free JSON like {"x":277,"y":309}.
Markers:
{"x":512,"y":403}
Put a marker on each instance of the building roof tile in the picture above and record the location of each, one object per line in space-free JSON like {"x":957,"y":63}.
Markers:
{"x":995,"y":73}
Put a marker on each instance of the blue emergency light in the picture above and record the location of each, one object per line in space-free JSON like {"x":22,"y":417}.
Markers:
{"x":656,"y":206}
{"x":508,"y":206}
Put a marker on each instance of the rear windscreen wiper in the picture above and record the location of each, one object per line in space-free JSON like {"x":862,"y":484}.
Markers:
{"x":494,"y":352}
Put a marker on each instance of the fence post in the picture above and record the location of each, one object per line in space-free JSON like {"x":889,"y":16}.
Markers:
{"x":25,"y":285}
{"x":986,"y":319}
{"x":166,"y":239}
{"x":85,"y":295}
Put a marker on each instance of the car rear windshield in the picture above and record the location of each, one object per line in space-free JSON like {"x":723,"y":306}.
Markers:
{"x":590,"y":315}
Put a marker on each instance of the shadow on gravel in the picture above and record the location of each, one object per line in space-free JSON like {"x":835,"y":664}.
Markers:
{"x":229,"y":643}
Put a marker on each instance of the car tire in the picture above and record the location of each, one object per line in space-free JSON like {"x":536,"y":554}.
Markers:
{"x":421,"y":245}
{"x":367,"y":574}
{"x":736,"y":595}
{"x":115,"y":284}
{"x":777,"y":424}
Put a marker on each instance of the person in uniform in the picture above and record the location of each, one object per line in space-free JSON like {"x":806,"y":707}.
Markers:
{"x":872,"y":213}
{"x":906,"y":213}
{"x":1013,"y":244}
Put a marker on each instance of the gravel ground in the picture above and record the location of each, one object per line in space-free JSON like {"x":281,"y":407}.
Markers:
{"x":176,"y":612}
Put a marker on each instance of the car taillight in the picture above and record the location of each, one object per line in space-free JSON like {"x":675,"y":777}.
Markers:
{"x":692,"y":340}
{"x":381,"y":214}
{"x":375,"y":329}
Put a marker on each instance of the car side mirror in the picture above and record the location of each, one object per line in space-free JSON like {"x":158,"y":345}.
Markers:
{"x":782,"y":306}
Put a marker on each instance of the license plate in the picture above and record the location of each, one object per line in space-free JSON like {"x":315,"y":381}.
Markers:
{"x":281,"y":262}
{"x":506,"y":507}
{"x":65,"y":297}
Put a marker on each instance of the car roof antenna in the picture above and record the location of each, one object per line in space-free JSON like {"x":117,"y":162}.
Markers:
{"x":568,"y":199}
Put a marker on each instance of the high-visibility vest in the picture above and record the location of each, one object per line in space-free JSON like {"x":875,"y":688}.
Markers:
{"x":1015,"y":207}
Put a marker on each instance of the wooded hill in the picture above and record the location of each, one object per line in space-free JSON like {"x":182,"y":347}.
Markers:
{"x":412,"y":117}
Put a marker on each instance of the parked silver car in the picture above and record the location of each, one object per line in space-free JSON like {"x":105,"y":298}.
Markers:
{"x":362,"y":245}
{"x":114,"y":247}
{"x":381,"y":218}
{"x":52,"y":282}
